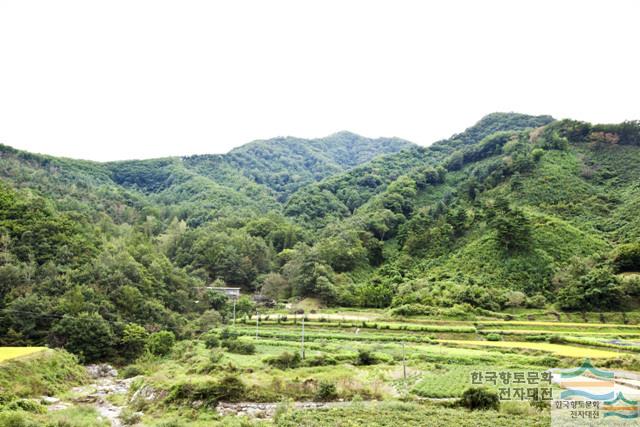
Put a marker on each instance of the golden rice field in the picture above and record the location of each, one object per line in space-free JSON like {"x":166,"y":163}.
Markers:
{"x":557,"y":332}
{"x":7,"y":353}
{"x":557,"y":349}
{"x":592,"y":325}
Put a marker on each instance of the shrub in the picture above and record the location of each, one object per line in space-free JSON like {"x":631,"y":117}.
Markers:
{"x":15,"y":419}
{"x":549,"y":361}
{"x":130,"y":417}
{"x":239,"y":347}
{"x":131,"y":371}
{"x":283,"y":409}
{"x":365,"y":357}
{"x":213,"y":364}
{"x":172,"y":423}
{"x":599,"y":288}
{"x":227,"y":333}
{"x":6,"y":397}
{"x":459,"y":311}
{"x":514,"y":408}
{"x":557,"y":339}
{"x":208,"y":320}
{"x":216,"y":355}
{"x":515,"y":299}
{"x":161,"y":343}
{"x":536,"y":338}
{"x":539,"y":405}
{"x":537,"y":153}
{"x":536,"y":301}
{"x":356,"y":401}
{"x":479,"y":398}
{"x":88,"y":335}
{"x":626,"y":257}
{"x":326,"y":391}
{"x":229,"y":389}
{"x":27,"y":405}
{"x":211,"y":340}
{"x":411,"y":310}
{"x":494,"y":337}
{"x":134,"y":338}
{"x":320,"y":360}
{"x":285,"y":360}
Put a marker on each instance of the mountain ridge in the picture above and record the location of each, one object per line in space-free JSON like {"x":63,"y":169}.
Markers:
{"x":514,"y":211}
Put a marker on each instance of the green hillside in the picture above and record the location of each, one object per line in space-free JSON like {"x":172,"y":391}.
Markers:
{"x":516,"y":211}
{"x":540,"y":215}
{"x":286,"y":164}
{"x":352,"y":189}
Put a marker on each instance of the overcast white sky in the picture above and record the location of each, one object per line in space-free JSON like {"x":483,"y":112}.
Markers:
{"x":108,"y":80}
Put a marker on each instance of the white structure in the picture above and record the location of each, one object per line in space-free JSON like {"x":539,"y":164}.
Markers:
{"x":230,"y":292}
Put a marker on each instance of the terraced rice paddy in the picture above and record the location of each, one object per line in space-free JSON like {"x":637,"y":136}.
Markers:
{"x":373,"y":358}
{"x":517,"y":336}
{"x":557,"y":349}
{"x":7,"y":353}
{"x":574,"y":325}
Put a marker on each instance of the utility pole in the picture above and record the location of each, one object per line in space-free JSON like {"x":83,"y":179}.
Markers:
{"x":234,"y":311}
{"x":257,"y":323}
{"x":303,"y":338}
{"x":404,"y":363}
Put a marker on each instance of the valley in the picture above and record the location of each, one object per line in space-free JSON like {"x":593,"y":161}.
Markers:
{"x":361,"y":365}
{"x":381,"y":282}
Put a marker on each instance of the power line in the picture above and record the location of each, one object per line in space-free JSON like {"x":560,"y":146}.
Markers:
{"x":58,"y":316}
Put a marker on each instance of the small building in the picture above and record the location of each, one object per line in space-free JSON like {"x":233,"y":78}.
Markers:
{"x":263,"y":300}
{"x":230,"y":292}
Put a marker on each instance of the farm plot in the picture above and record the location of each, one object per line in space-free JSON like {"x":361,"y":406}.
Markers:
{"x":574,"y":325}
{"x":557,"y":349}
{"x":446,"y":381}
{"x":516,"y":332}
{"x":7,"y":353}
{"x":449,"y":381}
{"x":411,"y":414}
{"x":551,"y":327}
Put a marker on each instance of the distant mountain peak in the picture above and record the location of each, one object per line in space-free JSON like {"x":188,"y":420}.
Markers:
{"x":343,"y":134}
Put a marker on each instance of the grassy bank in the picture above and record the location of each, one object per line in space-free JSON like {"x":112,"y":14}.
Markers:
{"x":45,"y":372}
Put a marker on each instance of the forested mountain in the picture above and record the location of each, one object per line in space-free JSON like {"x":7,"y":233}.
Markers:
{"x":350,"y":190}
{"x":286,"y":164}
{"x":197,"y":189}
{"x":516,"y":210}
{"x":265,"y":170}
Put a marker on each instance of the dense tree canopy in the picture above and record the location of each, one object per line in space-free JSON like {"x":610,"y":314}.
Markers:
{"x":111,"y":260}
